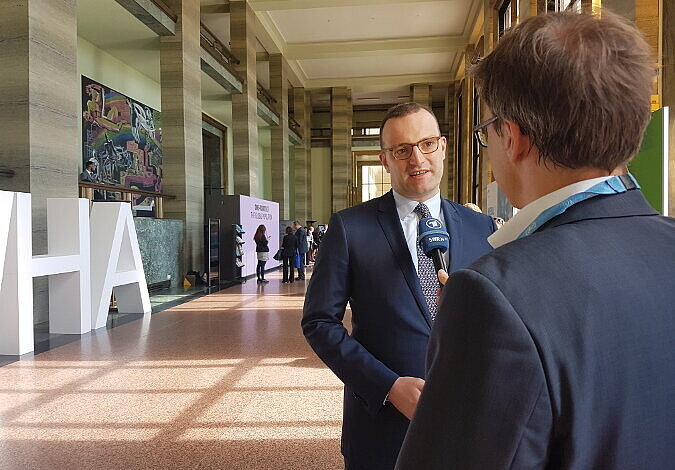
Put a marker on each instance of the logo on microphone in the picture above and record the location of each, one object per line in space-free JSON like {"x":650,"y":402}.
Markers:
{"x":433,"y":223}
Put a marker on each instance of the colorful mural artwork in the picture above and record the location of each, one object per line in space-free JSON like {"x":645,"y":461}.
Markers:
{"x":124,"y":138}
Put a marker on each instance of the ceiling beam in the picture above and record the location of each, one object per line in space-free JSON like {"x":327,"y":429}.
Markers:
{"x":391,"y":80}
{"x":365,"y":48}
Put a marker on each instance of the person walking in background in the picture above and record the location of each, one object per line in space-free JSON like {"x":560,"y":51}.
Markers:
{"x":556,"y":351}
{"x":308,"y":241}
{"x":262,"y":250}
{"x":301,"y":236}
{"x":311,"y":243}
{"x":289,"y":246}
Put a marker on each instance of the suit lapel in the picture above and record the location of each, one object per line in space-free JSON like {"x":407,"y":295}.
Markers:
{"x":387,"y":216}
{"x":453,"y":225}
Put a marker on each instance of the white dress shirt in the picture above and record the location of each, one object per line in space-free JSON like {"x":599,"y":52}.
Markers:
{"x":410,"y":220}
{"x":512,"y":229}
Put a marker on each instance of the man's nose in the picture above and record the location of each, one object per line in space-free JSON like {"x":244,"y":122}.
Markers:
{"x":416,"y":155}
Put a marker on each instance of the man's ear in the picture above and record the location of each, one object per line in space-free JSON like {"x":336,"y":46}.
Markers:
{"x":516,"y":145}
{"x":383,"y":160}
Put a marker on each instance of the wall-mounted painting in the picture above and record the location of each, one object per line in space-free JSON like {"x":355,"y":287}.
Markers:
{"x":124,"y":137}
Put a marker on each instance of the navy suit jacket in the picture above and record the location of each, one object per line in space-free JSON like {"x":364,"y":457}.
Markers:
{"x":557,"y":351}
{"x":301,"y":235}
{"x":364,"y":260}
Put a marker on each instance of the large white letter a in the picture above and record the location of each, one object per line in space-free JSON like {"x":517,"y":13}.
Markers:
{"x":115,"y":262}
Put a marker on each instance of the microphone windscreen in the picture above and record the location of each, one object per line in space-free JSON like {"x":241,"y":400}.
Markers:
{"x":432,"y":236}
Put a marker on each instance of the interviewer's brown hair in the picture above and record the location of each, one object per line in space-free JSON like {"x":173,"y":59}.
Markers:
{"x":579,"y":86}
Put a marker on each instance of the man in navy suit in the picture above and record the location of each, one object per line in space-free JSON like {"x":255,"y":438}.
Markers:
{"x":369,"y":258}
{"x":557,"y":350}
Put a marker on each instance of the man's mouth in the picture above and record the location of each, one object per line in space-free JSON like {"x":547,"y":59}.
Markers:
{"x":418,"y":173}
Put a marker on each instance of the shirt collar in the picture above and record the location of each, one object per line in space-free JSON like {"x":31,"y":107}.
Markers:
{"x":405,"y":206}
{"x":519,"y":222}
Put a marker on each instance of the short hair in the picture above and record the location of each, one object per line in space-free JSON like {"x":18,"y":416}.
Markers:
{"x":289,"y":230}
{"x":404,"y":109}
{"x":295,"y":222}
{"x":578,"y":86}
{"x":89,"y":162}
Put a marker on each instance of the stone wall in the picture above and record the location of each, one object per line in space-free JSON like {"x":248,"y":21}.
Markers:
{"x":161,"y":245}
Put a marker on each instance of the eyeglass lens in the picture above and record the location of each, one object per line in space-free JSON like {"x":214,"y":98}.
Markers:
{"x":404,"y":151}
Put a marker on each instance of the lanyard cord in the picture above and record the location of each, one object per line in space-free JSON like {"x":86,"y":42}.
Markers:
{"x":614,"y":185}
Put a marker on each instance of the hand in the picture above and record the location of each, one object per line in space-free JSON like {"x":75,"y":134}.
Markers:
{"x":405,"y":393}
{"x":443,"y":276}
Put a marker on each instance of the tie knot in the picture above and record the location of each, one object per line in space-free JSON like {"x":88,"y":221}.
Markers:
{"x":422,"y":210}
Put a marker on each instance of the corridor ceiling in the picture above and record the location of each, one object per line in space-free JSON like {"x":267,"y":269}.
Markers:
{"x":375,"y":47}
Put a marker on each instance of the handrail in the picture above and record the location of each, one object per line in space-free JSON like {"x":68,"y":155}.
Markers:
{"x":216,"y":44}
{"x":123,"y":189}
{"x":213,"y":52}
{"x":269,"y":99}
{"x":165,"y":8}
{"x":87,"y":191}
{"x":294,"y":125}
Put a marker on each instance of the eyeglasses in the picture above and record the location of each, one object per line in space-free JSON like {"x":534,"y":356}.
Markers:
{"x":480,"y":131}
{"x":404,"y":151}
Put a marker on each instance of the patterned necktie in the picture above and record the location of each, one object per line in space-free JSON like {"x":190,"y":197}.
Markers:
{"x":425,"y":268}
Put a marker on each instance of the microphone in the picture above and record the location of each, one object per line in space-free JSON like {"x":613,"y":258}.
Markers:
{"x":434,"y":241}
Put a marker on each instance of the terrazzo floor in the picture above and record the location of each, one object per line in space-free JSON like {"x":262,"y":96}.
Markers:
{"x":224,"y":381}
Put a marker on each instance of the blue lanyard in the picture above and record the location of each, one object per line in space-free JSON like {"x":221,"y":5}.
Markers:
{"x":614,"y":185}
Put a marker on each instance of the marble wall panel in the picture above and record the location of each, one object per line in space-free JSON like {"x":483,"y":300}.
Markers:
{"x":245,"y":150}
{"x":466,"y":137}
{"x":449,"y":180}
{"x":279,"y":137}
{"x":302,"y":155}
{"x":39,"y":110}
{"x":341,"y":147}
{"x":161,"y":245}
{"x":182,"y":128}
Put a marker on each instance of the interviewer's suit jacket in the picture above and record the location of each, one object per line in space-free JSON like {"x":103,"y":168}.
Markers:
{"x":557,"y":351}
{"x":364,"y":259}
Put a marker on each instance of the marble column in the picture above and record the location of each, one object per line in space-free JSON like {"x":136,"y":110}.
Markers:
{"x":307,"y":136}
{"x":180,"y":76}
{"x":341,"y":147}
{"x":39,"y":111}
{"x":467,"y":124}
{"x":279,"y":136}
{"x":449,"y":180}
{"x":245,"y":153}
{"x":421,"y":93}
{"x":302,"y":109}
{"x":668,"y":91}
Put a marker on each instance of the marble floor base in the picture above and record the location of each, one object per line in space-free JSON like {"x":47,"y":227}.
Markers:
{"x":222,"y":381}
{"x":160,"y":301}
